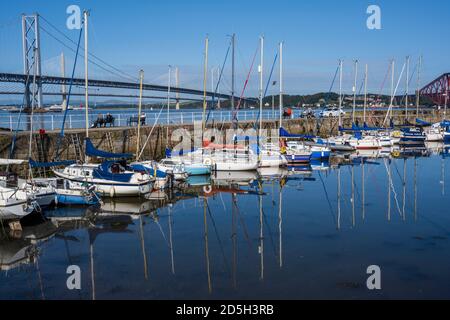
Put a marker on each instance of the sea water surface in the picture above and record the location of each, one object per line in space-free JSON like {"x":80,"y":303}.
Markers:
{"x":302,"y":233}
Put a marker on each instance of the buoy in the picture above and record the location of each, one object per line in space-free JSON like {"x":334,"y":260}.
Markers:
{"x":207,"y":189}
{"x":207,"y":161}
{"x":112,"y":192}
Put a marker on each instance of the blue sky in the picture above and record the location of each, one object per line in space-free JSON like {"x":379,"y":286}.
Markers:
{"x":153,"y":34}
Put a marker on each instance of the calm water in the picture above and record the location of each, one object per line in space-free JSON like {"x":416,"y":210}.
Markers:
{"x":244,"y":237}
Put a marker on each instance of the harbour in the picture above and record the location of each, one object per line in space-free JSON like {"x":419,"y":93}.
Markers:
{"x":239,"y":168}
{"x":158,"y":249}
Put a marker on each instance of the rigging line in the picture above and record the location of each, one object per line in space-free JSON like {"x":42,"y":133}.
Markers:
{"x":162,"y":233}
{"x":61,"y":135}
{"x":409,"y":82}
{"x":361,"y":87}
{"x":332,"y":83}
{"x":82,"y":55}
{"x":218,"y":82}
{"x":267,"y":86}
{"x":242,"y":221}
{"x":245,"y":86}
{"x":269,"y":230}
{"x":218,"y":237}
{"x":19,"y":118}
{"x":90,"y":54}
{"x":385,"y":78}
{"x":151,"y":131}
{"x":393,"y":94}
{"x":393,"y":189}
{"x":326,"y":195}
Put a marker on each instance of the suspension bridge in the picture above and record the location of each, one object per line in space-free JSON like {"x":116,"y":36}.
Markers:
{"x":18,"y":84}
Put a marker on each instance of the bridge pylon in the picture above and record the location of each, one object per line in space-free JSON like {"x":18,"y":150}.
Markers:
{"x":32,"y":59}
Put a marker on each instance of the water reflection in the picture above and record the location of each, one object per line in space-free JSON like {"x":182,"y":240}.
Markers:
{"x":297,"y":232}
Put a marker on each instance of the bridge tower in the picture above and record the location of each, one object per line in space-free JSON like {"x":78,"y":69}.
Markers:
{"x":31,"y":58}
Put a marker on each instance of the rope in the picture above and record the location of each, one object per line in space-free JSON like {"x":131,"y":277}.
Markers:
{"x":218,"y":82}
{"x":245,"y":86}
{"x":61,"y":135}
{"x":267,"y":86}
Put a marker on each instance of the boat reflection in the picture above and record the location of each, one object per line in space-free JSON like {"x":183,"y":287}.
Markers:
{"x":21,"y":247}
{"x":251,"y":218}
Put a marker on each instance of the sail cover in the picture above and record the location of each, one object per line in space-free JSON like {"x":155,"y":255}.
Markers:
{"x":12,"y":161}
{"x":422,"y":123}
{"x":285,"y":134}
{"x":94,"y":152}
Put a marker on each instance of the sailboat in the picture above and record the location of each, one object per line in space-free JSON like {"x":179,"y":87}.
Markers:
{"x":15,"y":203}
{"x":225,"y":157}
{"x":340,"y":142}
{"x":113,"y":177}
{"x":269,"y":155}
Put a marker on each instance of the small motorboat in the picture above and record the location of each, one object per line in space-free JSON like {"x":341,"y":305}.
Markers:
{"x":413,"y":137}
{"x":365,"y":142}
{"x":168,"y":166}
{"x":191,"y":165}
{"x":15,"y":203}
{"x":297,"y":155}
{"x":434,"y":133}
{"x":74,"y":193}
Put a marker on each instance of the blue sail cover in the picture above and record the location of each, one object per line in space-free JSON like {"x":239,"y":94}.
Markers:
{"x":104,"y":172}
{"x":365,"y":127}
{"x":285,"y":134}
{"x":35,"y":164}
{"x":94,"y":152}
{"x":423,"y":123}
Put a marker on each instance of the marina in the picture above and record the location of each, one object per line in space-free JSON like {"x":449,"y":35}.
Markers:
{"x":162,"y":248}
{"x":244,"y":179}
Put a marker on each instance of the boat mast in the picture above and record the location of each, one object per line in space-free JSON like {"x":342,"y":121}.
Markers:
{"x":205,"y":75}
{"x":415,"y":189}
{"x":177,"y":84}
{"x":205,"y":223}
{"x":353,"y":196}
{"x":169,"y":82}
{"x":338,"y":219}
{"x":341,"y":64}
{"x":86,"y":85}
{"x":407,"y":89}
{"x":445,"y":103}
{"x":261,"y":66}
{"x":418,"y":87}
{"x":141,"y":80}
{"x":172,"y":260}
{"x":280,"y":222}
{"x":218,"y":87}
{"x":404,"y":190}
{"x":281,"y":84}
{"x":30,"y":143}
{"x":354,"y":91}
{"x":233,"y":38}
{"x":142,"y":240}
{"x":365,"y":92}
{"x":363,"y":187}
{"x":63,"y":87}
{"x":261,"y":233}
{"x":392,"y":86}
